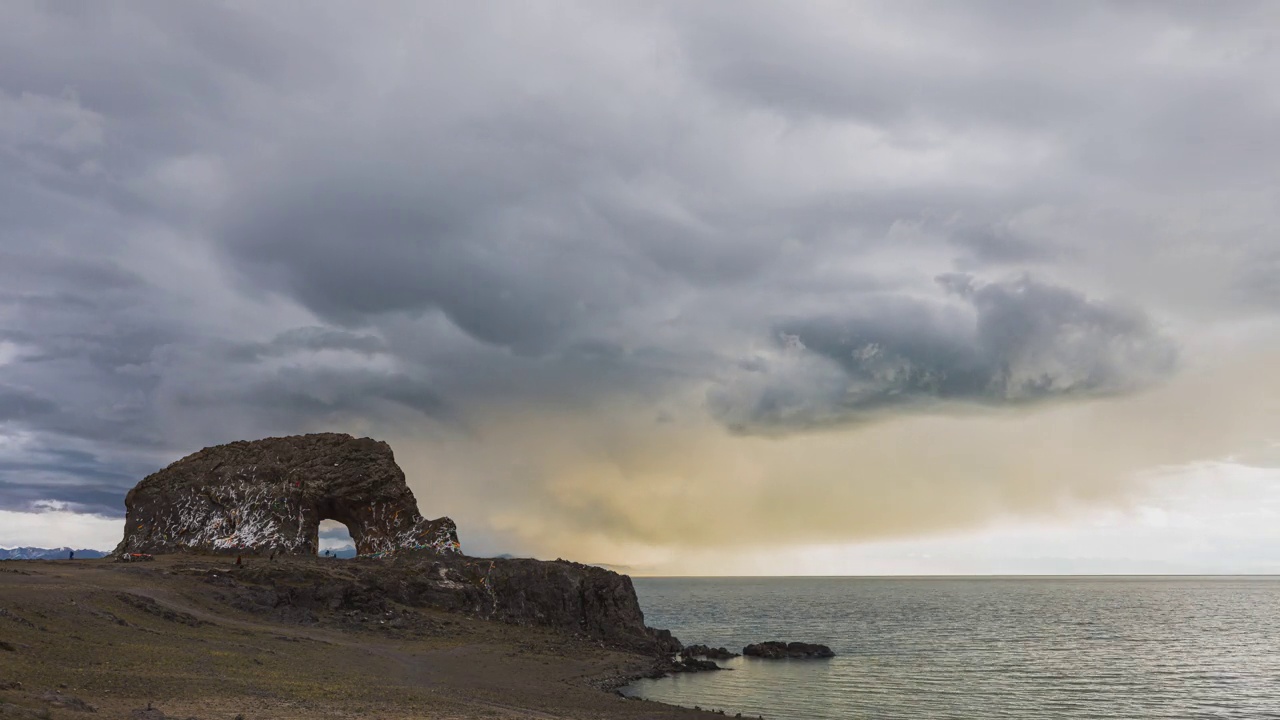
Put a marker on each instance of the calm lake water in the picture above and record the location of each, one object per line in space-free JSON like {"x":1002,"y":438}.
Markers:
{"x":1103,"y":647}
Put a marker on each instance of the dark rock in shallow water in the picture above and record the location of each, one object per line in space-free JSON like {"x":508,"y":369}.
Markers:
{"x":708,"y":652}
{"x":774,"y":650}
{"x":270,"y":496}
{"x":692,"y":665}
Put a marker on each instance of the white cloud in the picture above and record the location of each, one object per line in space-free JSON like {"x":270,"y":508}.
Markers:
{"x":59,"y":528}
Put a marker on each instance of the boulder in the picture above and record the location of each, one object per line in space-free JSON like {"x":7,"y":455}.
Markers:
{"x":689,"y":665}
{"x":270,"y":496}
{"x":775,"y":650}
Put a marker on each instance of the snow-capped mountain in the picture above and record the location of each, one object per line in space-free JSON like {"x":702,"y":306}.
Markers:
{"x":34,"y":553}
{"x":344,"y":552}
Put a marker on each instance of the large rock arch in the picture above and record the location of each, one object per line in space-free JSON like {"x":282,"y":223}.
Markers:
{"x":270,"y":495}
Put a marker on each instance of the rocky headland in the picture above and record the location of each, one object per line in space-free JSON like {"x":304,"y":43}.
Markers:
{"x":267,"y":497}
{"x":237,"y":611}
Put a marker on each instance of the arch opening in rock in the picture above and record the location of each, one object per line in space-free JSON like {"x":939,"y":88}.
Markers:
{"x":335,"y":539}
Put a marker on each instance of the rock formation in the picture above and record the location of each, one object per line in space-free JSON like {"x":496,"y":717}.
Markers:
{"x":774,"y":650}
{"x":705,"y":651}
{"x":270,"y":496}
{"x":569,"y":597}
{"x":687,"y":664}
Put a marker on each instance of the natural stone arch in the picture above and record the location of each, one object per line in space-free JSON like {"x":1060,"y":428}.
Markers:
{"x":270,"y":495}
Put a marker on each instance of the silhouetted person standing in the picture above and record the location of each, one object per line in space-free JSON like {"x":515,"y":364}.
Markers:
{"x":239,"y":561}
{"x":71,"y":554}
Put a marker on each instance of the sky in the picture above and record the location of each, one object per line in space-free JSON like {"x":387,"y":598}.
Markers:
{"x":691,"y":288}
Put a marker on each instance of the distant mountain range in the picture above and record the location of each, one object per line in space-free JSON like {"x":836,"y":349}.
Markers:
{"x":34,"y":553}
{"x":345,"y":552}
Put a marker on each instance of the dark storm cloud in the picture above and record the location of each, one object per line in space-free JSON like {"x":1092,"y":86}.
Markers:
{"x":20,"y":404}
{"x":1015,"y":342}
{"x":232,"y":220}
{"x":92,"y":277}
{"x":308,"y":339}
{"x":350,"y":259}
{"x":80,"y":494}
{"x":83,"y":480}
{"x":295,"y":397}
{"x":500,"y":234}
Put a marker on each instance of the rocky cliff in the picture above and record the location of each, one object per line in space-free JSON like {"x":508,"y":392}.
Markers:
{"x":253,"y":498}
{"x":576,"y":599}
{"x":270,"y":496}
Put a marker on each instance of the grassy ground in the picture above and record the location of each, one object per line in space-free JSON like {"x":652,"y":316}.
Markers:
{"x":118,"y":637}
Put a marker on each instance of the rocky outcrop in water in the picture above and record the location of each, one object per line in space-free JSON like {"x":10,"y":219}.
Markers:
{"x":685,"y":664}
{"x":774,"y":650}
{"x":270,"y":496}
{"x":708,"y":652}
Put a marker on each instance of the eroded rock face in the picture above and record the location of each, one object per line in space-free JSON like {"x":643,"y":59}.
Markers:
{"x":575,"y":599}
{"x":270,"y":495}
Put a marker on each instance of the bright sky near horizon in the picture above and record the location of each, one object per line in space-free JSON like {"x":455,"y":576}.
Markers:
{"x":686,"y":288}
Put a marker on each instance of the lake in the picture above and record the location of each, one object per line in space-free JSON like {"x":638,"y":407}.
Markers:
{"x":1028,"y":647}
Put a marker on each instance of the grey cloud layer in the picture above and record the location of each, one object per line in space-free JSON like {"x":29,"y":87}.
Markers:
{"x":1012,"y":342}
{"x":236,"y":220}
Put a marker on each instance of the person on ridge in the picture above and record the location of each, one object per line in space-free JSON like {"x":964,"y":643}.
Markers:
{"x":239,"y":561}
{"x":71,"y":554}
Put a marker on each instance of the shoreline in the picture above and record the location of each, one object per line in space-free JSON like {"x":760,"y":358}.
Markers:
{"x":119,"y":636}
